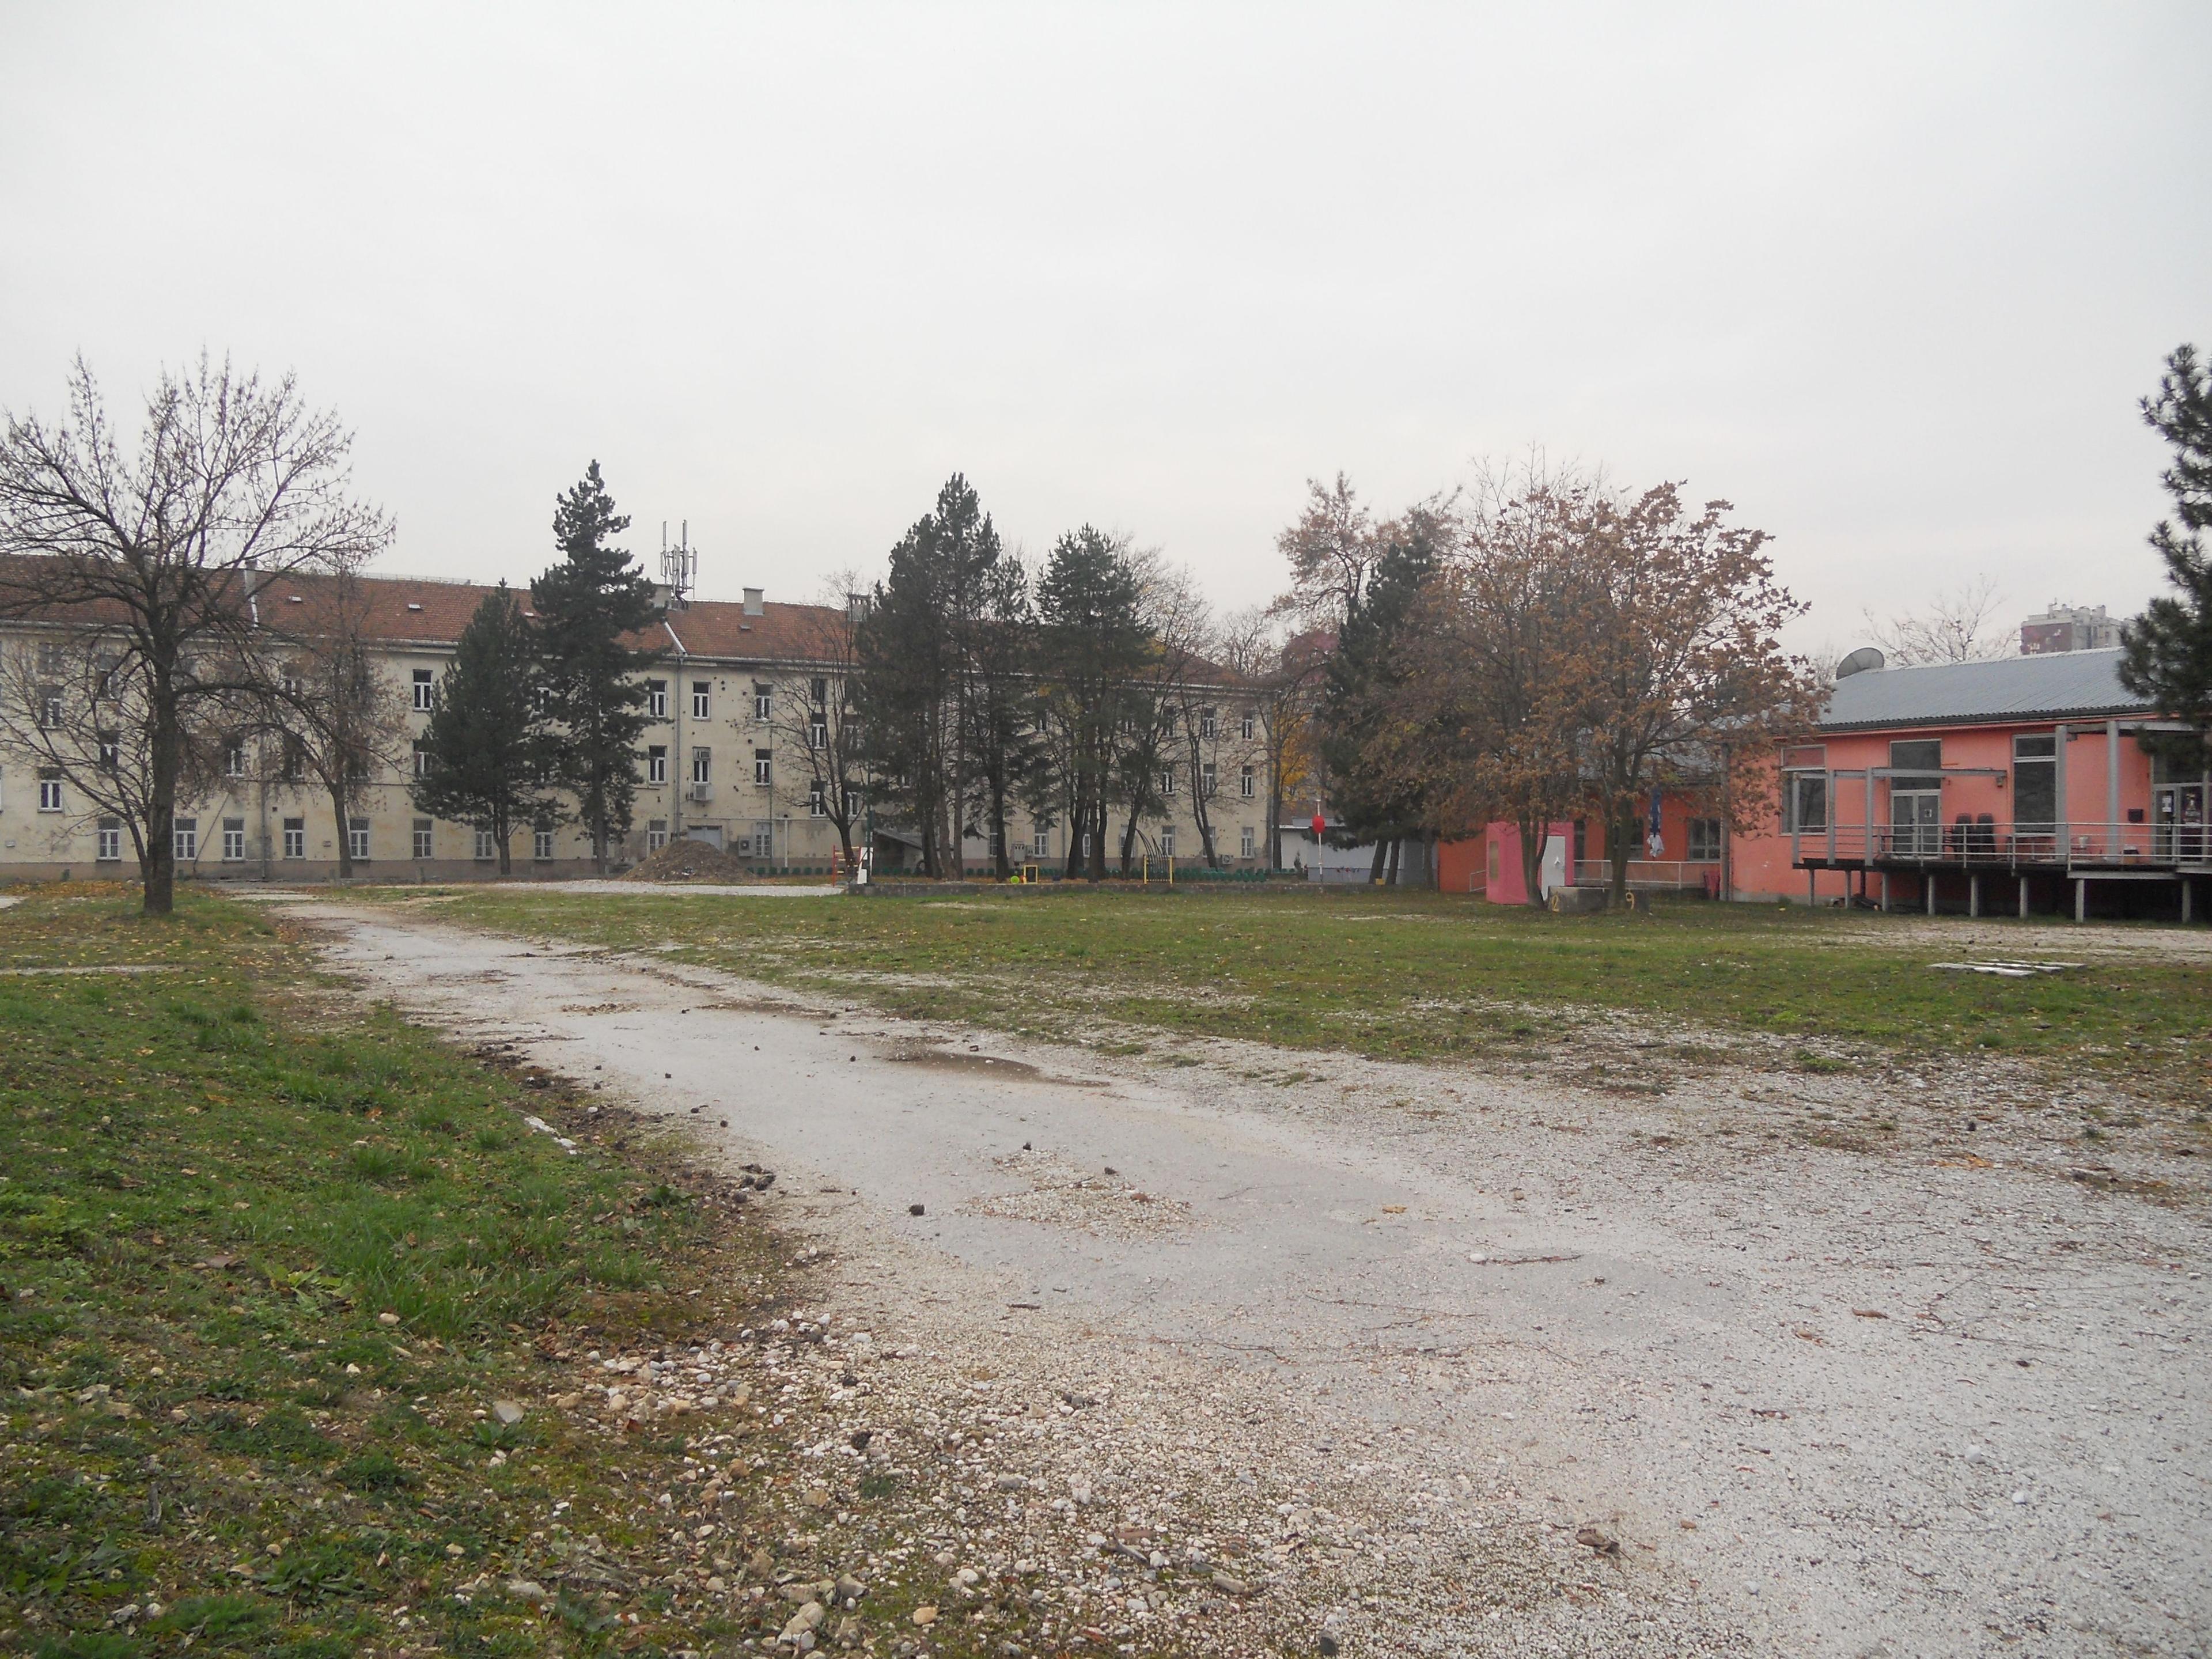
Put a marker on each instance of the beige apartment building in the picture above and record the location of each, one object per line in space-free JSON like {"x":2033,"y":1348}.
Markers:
{"x":740,"y":706}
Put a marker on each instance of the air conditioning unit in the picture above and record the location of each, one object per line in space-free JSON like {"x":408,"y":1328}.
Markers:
{"x":702,"y":792}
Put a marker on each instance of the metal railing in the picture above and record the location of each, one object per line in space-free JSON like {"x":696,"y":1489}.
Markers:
{"x":1980,"y":843}
{"x":1687,"y":874}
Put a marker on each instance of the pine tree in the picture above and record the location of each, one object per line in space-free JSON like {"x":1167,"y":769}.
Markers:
{"x":2166,"y":652}
{"x":485,"y":744}
{"x":1374,"y":801}
{"x":1093,"y":643}
{"x":587,"y":606}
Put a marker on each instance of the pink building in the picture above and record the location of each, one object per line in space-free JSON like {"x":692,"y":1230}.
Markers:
{"x":2022,"y":784}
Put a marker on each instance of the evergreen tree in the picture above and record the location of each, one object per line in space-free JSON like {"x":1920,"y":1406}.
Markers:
{"x":918,"y":692}
{"x":588,"y":605}
{"x":1002,"y":735}
{"x":1092,"y":644}
{"x":1374,"y":801}
{"x":485,"y":744}
{"x":2166,"y":652}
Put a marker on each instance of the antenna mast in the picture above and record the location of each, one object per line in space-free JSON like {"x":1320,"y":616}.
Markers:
{"x":679,"y":568}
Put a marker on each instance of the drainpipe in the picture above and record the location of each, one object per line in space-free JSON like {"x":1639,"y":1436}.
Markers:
{"x":680,"y":768}
{"x":2065,"y":737}
{"x":2112,"y":784}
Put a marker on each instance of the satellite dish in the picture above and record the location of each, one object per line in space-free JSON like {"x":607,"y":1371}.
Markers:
{"x":1859,"y":661}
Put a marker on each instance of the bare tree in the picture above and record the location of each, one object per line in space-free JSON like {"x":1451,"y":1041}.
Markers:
{"x":1331,"y":548}
{"x":233,"y":485}
{"x":815,"y":719}
{"x":1278,"y":675}
{"x":1188,"y":694}
{"x":1958,"y":626}
{"x":329,"y":710}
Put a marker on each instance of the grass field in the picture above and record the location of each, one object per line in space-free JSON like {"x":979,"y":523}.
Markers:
{"x":1405,"y":975}
{"x":269,"y":1263}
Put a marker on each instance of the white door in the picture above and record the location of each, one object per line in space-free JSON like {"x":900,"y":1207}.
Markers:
{"x":709,"y":833}
{"x":1553,"y":871}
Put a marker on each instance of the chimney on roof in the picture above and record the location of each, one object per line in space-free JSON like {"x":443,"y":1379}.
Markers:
{"x":753,"y":605}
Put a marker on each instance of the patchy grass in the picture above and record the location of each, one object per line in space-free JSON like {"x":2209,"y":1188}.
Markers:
{"x":1401,"y":975}
{"x":267,"y":1263}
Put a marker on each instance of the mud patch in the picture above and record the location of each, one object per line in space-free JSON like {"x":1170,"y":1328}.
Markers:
{"x":915,"y":1054}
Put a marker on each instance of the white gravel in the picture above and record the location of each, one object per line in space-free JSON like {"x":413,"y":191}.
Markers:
{"x":1836,"y":1388}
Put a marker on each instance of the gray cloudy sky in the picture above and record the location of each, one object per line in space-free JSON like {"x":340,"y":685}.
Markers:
{"x":1890,"y":278}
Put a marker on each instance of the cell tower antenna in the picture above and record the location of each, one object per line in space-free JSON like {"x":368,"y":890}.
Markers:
{"x":679,"y":568}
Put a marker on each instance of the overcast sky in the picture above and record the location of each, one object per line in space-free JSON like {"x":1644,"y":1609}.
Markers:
{"x":1890,"y":279}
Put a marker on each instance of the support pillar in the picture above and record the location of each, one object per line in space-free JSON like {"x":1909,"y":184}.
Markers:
{"x":2023,"y":898}
{"x":1884,"y":892}
{"x":2080,"y":899}
{"x":2186,"y":885}
{"x":1974,"y":895}
{"x":1928,"y":889}
{"x":1812,"y":890}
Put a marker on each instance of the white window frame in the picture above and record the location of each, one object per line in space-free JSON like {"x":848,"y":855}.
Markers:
{"x":818,"y":800}
{"x":422,"y":758}
{"x":110,"y":845}
{"x":1205,"y":722}
{"x":1249,"y":844}
{"x":357,"y":840}
{"x":656,"y":834}
{"x":185,"y":839}
{"x":423,"y":835}
{"x":1166,"y":781}
{"x":50,"y":791}
{"x":234,"y":758}
{"x":1208,"y":781}
{"x":656,"y":763}
{"x":764,"y":700}
{"x":817,"y":730}
{"x":1248,"y":783}
{"x":234,"y":841}
{"x":295,"y":838}
{"x":763,"y":768}
{"x":541,"y":844}
{"x":702,"y":699}
{"x":703,"y":766}
{"x":426,"y":691}
{"x":656,"y":700}
{"x":1248,"y":725}
{"x":1167,"y":841}
{"x":487,"y":848}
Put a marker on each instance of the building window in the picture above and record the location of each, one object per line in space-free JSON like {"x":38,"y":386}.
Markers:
{"x":426,"y":691}
{"x":699,"y":688}
{"x":295,"y":838}
{"x":1916,"y":763}
{"x":234,"y":841}
{"x":110,"y":752}
{"x":764,"y":700}
{"x":1704,"y":841}
{"x":656,"y":763}
{"x":234,"y":758}
{"x":541,"y":844}
{"x":287,"y":680}
{"x":1167,"y":781}
{"x":1205,"y":722}
{"x":762,"y":775}
{"x":421,"y":758}
{"x":1245,"y":843}
{"x":420,"y":831}
{"x":821,"y":691}
{"x":487,"y":849}
{"x":110,"y":840}
{"x":1206,"y":780}
{"x":656,"y":834}
{"x":656,"y":700}
{"x":2035,"y":783}
{"x":1167,"y":839}
{"x":1805,"y":802}
{"x":1247,"y":726}
{"x":185,"y":839}
{"x":50,"y":790}
{"x":1041,"y":842}
{"x":50,"y":657}
{"x":817,"y":801}
{"x":1247,"y":784}
{"x":357,"y":838}
{"x":295,"y":759}
{"x":50,"y":707}
{"x":702,"y":765}
{"x":818,"y":731}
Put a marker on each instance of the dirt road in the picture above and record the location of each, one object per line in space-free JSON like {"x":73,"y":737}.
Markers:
{"x":1927,"y":1397}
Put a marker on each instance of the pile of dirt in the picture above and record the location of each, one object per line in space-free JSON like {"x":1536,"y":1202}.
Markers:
{"x":689,"y":861}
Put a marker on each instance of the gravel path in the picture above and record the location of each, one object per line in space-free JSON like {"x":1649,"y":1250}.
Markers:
{"x":1830,"y":1391}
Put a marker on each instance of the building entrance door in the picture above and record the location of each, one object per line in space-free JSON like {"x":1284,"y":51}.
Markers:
{"x":2177,"y":822}
{"x":1915,"y":824}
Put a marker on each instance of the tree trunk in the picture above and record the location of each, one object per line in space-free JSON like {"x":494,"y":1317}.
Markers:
{"x":1532,"y":859}
{"x":1001,"y":863}
{"x":506,"y":855}
{"x":599,"y":844}
{"x":1374,"y":871}
{"x":159,"y":865}
{"x":345,"y":841}
{"x":1274,"y":818}
{"x":1397,"y":853}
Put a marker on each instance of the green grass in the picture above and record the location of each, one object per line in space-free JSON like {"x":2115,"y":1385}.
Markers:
{"x":1417,"y":976}
{"x":214,"y":1179}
